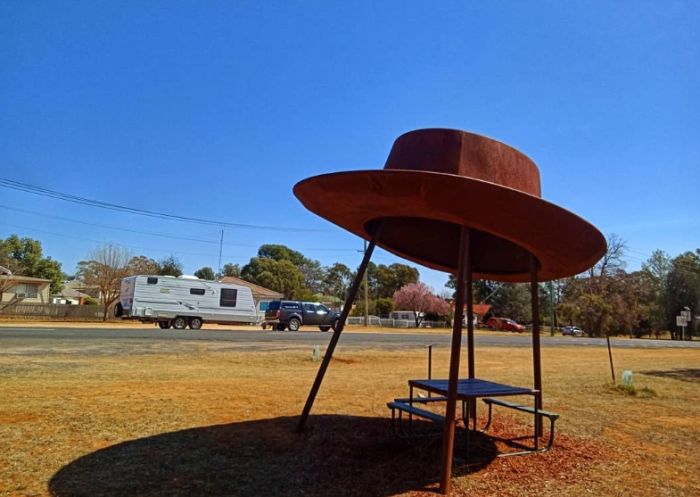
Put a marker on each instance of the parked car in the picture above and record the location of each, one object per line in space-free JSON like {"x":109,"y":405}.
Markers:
{"x":292,"y":314}
{"x":573,"y":331}
{"x":504,"y":324}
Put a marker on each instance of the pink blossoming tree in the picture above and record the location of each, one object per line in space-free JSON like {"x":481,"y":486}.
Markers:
{"x":419,"y":298}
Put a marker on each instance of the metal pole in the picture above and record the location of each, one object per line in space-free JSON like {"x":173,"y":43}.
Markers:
{"x":221,"y":246}
{"x":430,"y":363}
{"x":336,"y":336}
{"x":552,"y":314}
{"x":470,"y":340}
{"x":448,"y":437}
{"x":612,"y":368}
{"x":366,"y":293}
{"x":536,"y":364}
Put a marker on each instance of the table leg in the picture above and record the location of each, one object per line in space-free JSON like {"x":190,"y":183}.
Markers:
{"x":410,"y":402}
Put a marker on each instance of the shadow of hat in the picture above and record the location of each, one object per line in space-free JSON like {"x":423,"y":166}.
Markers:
{"x":436,"y":181}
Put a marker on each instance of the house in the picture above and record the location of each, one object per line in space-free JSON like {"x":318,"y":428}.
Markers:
{"x":262,"y":296}
{"x":70,"y":296}
{"x":82,"y":290}
{"x":25,"y":289}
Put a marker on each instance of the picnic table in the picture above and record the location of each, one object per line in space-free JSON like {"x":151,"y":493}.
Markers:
{"x":468,"y":390}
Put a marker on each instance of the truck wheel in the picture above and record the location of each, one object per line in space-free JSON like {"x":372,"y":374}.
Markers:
{"x":294,"y":324}
{"x":264,"y":326}
{"x":195,"y":323}
{"x":163,"y":325}
{"x":280,"y":327}
{"x":325,"y":328}
{"x":179,"y":323}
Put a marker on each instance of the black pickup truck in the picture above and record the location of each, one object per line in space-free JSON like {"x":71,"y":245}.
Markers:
{"x":283,"y":314}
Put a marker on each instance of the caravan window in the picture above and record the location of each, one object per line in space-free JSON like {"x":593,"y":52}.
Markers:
{"x":228,"y":297}
{"x":152,"y":281}
{"x":196,"y":291}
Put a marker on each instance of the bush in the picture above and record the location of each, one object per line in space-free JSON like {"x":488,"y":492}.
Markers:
{"x":90,"y":301}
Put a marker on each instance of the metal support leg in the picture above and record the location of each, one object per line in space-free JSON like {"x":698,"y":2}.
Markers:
{"x":449,"y":432}
{"x":536,"y":364}
{"x":336,"y":336}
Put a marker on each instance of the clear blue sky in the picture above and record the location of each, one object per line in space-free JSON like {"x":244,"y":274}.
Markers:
{"x":215,"y":109}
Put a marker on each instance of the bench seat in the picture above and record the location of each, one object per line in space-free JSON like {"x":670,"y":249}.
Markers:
{"x":520,"y":407}
{"x":416,"y":411}
{"x":490,"y":401}
{"x":421,"y":400}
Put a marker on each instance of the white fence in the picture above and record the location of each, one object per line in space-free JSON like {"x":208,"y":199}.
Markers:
{"x":396,"y":323}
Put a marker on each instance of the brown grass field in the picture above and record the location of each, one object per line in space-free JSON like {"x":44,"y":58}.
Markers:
{"x":199,"y":420}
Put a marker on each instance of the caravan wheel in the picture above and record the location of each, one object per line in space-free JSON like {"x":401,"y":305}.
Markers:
{"x":195,"y":323}
{"x":179,"y":323}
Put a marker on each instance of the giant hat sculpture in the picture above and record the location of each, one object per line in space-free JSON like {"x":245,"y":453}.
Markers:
{"x":461,"y":203}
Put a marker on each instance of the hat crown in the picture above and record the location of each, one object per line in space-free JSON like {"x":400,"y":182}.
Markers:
{"x":465,"y":154}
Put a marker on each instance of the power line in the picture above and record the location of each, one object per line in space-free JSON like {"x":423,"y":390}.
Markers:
{"x":167,"y":251}
{"x":67,"y":197}
{"x":60,"y":218}
{"x":153,"y":233}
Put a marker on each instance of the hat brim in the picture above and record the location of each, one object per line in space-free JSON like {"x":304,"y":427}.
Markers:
{"x":418,"y":216}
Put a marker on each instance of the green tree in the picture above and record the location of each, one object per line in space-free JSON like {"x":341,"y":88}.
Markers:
{"x":279,"y":275}
{"x":311,"y":269}
{"x":384,"y":306}
{"x":23,"y":256}
{"x":593,"y":293}
{"x":231,"y":269}
{"x":683,"y":290}
{"x":391,"y":278}
{"x":337,"y":279}
{"x":512,"y":300}
{"x":170,"y":266}
{"x":484,"y":290}
{"x":205,"y":273}
{"x":656,"y":270}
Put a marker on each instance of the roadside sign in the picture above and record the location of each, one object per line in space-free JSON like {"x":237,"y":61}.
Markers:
{"x":686,"y":315}
{"x":680,"y":321}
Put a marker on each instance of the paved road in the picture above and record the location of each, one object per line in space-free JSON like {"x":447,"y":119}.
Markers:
{"x":15,"y":340}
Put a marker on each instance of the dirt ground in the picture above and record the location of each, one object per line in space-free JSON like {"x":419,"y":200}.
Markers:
{"x":201,"y":420}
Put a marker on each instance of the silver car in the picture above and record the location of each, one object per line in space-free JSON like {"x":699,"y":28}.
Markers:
{"x":573,"y":331}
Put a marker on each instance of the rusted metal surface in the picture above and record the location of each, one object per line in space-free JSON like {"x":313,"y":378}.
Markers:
{"x":435,"y":181}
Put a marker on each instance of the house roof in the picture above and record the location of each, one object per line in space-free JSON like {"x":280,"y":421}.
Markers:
{"x":258,"y":291}
{"x":19,"y":279}
{"x":71,"y":293}
{"x":481,"y":309}
{"x":78,"y":285}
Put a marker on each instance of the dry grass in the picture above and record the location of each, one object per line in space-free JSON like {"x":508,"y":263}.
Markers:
{"x":205,"y":421}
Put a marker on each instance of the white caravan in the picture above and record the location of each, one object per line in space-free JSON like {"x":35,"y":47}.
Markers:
{"x":181,"y":302}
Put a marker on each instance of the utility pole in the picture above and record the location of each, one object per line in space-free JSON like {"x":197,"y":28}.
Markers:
{"x":366,"y":290}
{"x":552,"y":314}
{"x":221,"y":246}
